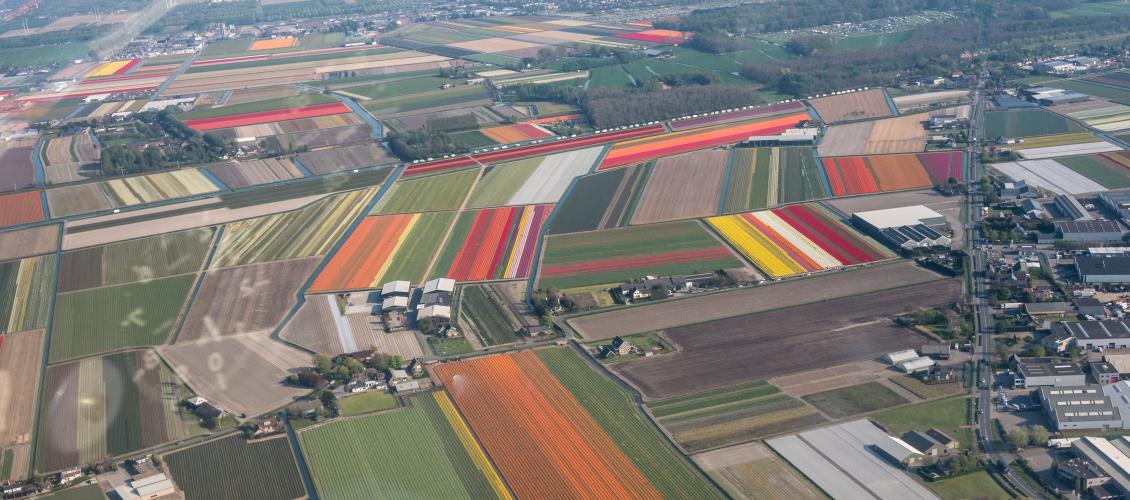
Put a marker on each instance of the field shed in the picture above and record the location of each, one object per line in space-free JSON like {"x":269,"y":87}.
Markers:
{"x":435,"y":312}
{"x":1089,"y":306}
{"x":1036,"y":309}
{"x":937,"y":351}
{"x":856,"y":459}
{"x":897,"y":357}
{"x":904,"y":227}
{"x":400,"y":287}
{"x":1083,"y":407}
{"x":153,"y":486}
{"x":439,"y":285}
{"x":1103,"y":269}
{"x":914,"y":365}
{"x":1089,"y":230}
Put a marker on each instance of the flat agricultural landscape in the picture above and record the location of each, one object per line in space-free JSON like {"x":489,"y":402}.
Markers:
{"x":245,"y":299}
{"x":25,"y":293}
{"x":319,"y":326}
{"x":750,"y":472}
{"x":21,"y":359}
{"x":20,"y":243}
{"x":852,"y":106}
{"x":682,"y":187}
{"x":1015,"y":123}
{"x":130,"y":261}
{"x":803,"y":337}
{"x":733,"y":303}
{"x":220,"y":468}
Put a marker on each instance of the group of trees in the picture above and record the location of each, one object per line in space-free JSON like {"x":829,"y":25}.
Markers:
{"x":614,"y":107}
{"x":340,"y":368}
{"x":157,"y":141}
{"x":1033,"y":435}
{"x":425,"y":143}
{"x":199,"y":15}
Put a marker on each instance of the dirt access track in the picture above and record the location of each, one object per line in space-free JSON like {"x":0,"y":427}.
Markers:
{"x":768,"y":344}
{"x":707,"y":307}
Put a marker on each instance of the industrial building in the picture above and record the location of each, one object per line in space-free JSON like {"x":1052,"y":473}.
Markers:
{"x":1117,"y":200}
{"x":1109,"y":457}
{"x":1068,"y":207}
{"x":1088,"y":230}
{"x":1045,"y":372}
{"x":1092,"y":269}
{"x":914,"y":365}
{"x":1089,"y":335}
{"x":904,"y":227}
{"x":154,"y":486}
{"x":1079,"y":408}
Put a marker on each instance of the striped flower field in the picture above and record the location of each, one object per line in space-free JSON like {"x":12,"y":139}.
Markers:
{"x":796,"y":239}
{"x":498,"y":243}
{"x":852,"y":175}
{"x":240,"y":120}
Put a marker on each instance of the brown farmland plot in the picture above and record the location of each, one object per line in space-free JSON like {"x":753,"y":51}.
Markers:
{"x":250,"y":173}
{"x":129,"y":261}
{"x":78,"y":199}
{"x":683,"y":187}
{"x":764,"y":345}
{"x":750,"y":471}
{"x":345,"y":158}
{"x":704,"y":308}
{"x":239,"y":373}
{"x":852,"y":106}
{"x":245,"y":299}
{"x":22,"y":243}
{"x":21,"y":360}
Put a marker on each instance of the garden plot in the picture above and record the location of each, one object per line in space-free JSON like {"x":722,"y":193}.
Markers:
{"x":220,"y":468}
{"x":535,"y":180}
{"x":852,"y":106}
{"x":21,"y":362}
{"x":239,"y":174}
{"x":320,"y":327}
{"x":805,"y":337}
{"x":1067,"y":150}
{"x":245,"y":299}
{"x":239,"y":373}
{"x":1050,"y":175}
{"x":107,"y":406}
{"x":682,"y":187}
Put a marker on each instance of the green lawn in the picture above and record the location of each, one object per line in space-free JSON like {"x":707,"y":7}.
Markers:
{"x":625,"y":423}
{"x":115,"y":317}
{"x":267,"y":105}
{"x":853,"y":400}
{"x":450,"y":347}
{"x":947,"y":415}
{"x":84,"y":492}
{"x":609,"y":76}
{"x":1026,"y":122}
{"x":975,"y":485}
{"x":431,"y":193}
{"x":367,"y":402}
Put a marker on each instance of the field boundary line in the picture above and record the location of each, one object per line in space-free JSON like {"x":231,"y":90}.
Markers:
{"x":726,"y":181}
{"x":217,"y":236}
{"x":37,"y":162}
{"x":48,"y":329}
{"x":455,"y":220}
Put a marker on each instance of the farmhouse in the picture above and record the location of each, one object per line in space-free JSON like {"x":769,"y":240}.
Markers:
{"x":1079,"y":408}
{"x":1018,"y":189}
{"x":1091,"y":269}
{"x":931,"y":443}
{"x":1033,"y":208}
{"x":1045,"y":372}
{"x":154,"y":486}
{"x":618,"y":347}
{"x":1088,"y":230}
{"x":904,"y":227}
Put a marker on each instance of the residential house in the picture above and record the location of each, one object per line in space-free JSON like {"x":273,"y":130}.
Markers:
{"x":932,"y":443}
{"x":618,"y":347}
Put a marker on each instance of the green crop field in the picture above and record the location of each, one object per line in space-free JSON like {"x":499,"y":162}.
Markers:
{"x":84,"y":492}
{"x":1094,"y":168}
{"x":413,"y":102}
{"x":458,"y":234}
{"x":500,"y":183}
{"x":103,"y":319}
{"x":638,"y":249}
{"x":366,"y":457}
{"x":473,"y":139}
{"x":399,"y":87}
{"x":416,"y":252}
{"x":428,"y":194}
{"x":947,"y":415}
{"x":8,"y":461}
{"x":267,"y":105}
{"x":232,"y":468}
{"x":748,"y":180}
{"x":367,"y":402}
{"x":609,"y":76}
{"x":225,"y":48}
{"x":1116,"y":94}
{"x":853,"y":400}
{"x":871,"y":41}
{"x":709,"y":399}
{"x":491,"y":321}
{"x":612,"y":408}
{"x":974,"y":485}
{"x":583,"y":208}
{"x":496,"y":59}
{"x":800,"y":177}
{"x":25,"y":293}
{"x":1026,"y":122}
{"x":155,"y":257}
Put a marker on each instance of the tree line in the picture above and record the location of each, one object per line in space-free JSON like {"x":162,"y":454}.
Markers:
{"x":157,"y":141}
{"x":614,"y":107}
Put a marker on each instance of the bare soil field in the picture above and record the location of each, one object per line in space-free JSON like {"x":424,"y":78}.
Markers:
{"x":16,"y":168}
{"x":854,"y":106}
{"x":320,"y":327}
{"x":78,"y":199}
{"x":345,"y":158}
{"x":176,"y":222}
{"x":245,"y":299}
{"x":238,"y":174}
{"x":683,"y":187}
{"x":914,"y":101}
{"x":27,"y":242}
{"x":81,"y":270}
{"x":750,"y":471}
{"x":314,"y":139}
{"x":368,"y":335}
{"x":21,"y":359}
{"x":261,"y":94}
{"x":313,"y":327}
{"x":70,"y":172}
{"x":773,"y":343}
{"x":833,"y":377}
{"x":707,"y":307}
{"x":902,"y":134}
{"x":240,"y":373}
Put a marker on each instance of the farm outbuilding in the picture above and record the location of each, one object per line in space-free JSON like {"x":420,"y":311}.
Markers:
{"x":915,"y":364}
{"x":897,"y":357}
{"x":904,"y":227}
